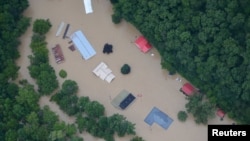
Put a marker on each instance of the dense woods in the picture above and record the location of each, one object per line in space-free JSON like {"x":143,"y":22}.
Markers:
{"x":206,"y":41}
{"x":12,"y":25}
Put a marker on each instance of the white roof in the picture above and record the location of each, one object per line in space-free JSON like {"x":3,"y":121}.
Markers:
{"x":101,"y":66}
{"x":82,"y":44}
{"x":110,"y":77}
{"x":88,"y":6}
{"x":59,"y":30}
{"x":104,"y":72}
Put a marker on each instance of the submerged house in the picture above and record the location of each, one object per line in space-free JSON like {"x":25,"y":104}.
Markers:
{"x":188,"y":89}
{"x":83,"y":45}
{"x":142,"y":43}
{"x":220,"y":113}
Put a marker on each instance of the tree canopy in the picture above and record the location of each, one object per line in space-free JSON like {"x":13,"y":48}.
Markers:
{"x":12,"y":26}
{"x":41,"y":26}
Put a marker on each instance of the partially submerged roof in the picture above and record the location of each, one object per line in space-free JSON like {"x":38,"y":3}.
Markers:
{"x":123,"y":100}
{"x":119,"y":98}
{"x":104,"y":72}
{"x":188,"y":89}
{"x":220,"y":113}
{"x":142,"y":43}
{"x":88,"y":6}
{"x":57,"y":51}
{"x":83,"y":45}
{"x":159,"y":117}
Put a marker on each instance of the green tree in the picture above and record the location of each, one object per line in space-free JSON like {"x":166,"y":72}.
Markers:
{"x":116,"y":18}
{"x":28,"y":98}
{"x":89,"y":124}
{"x":30,"y":128}
{"x":114,"y":1}
{"x":12,"y":90}
{"x":37,"y":40}
{"x":120,"y":125}
{"x":70,"y":130}
{"x":66,"y":98}
{"x":104,"y":129}
{"x":10,"y":70}
{"x":41,"y":26}
{"x":11,"y":135}
{"x":33,"y":70}
{"x":21,"y":26}
{"x":201,"y":109}
{"x":47,"y":82}
{"x":62,"y":73}
{"x":137,"y":138}
{"x":69,"y":87}
{"x":124,"y":128}
{"x":76,"y":138}
{"x":125,"y":69}
{"x":82,"y":102}
{"x":40,"y":55}
{"x":49,"y":118}
{"x":182,"y":116}
{"x":81,"y":123}
{"x":94,"y":109}
{"x":63,"y":131}
{"x":56,"y":135}
{"x":68,"y":104}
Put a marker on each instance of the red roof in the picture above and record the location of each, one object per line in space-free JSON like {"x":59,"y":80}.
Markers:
{"x":188,"y":89}
{"x":57,"y":51}
{"x":143,"y":44}
{"x":220,"y":113}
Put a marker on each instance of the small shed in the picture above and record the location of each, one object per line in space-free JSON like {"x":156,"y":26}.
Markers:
{"x":83,"y":45}
{"x":58,"y":54}
{"x":142,"y":43}
{"x":220,"y":113}
{"x":188,"y":89}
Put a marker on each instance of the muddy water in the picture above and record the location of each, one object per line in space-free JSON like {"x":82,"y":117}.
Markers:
{"x":147,"y":81}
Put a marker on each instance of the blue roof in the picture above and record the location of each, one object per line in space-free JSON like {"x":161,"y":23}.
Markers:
{"x":83,"y":45}
{"x":157,"y":116}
